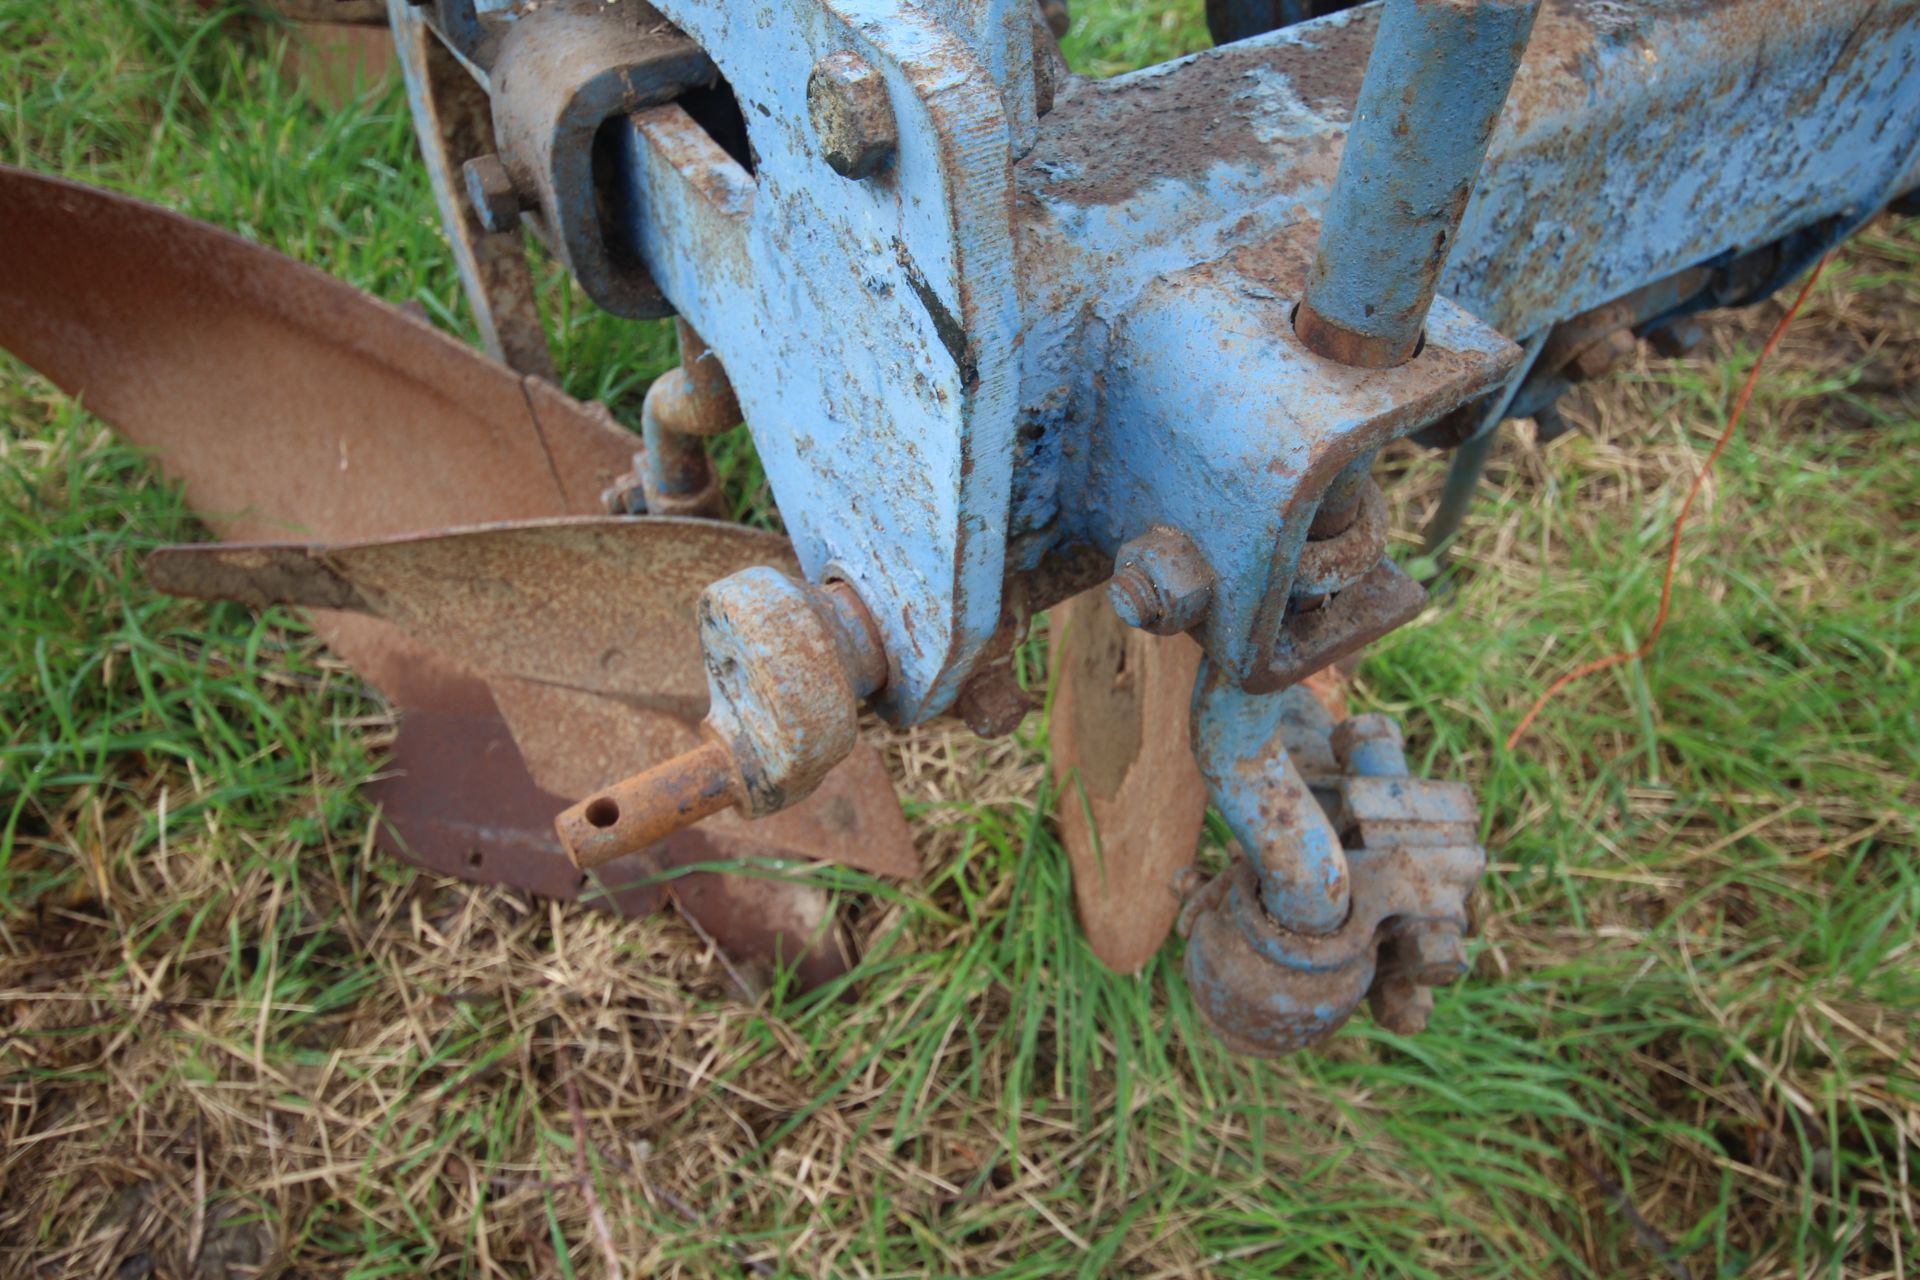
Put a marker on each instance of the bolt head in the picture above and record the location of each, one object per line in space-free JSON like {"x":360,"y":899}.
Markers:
{"x":491,"y":193}
{"x":1161,"y":583}
{"x":852,"y":115}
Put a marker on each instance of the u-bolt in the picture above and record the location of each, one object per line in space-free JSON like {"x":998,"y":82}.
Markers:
{"x":684,"y":406}
{"x":1239,"y":742}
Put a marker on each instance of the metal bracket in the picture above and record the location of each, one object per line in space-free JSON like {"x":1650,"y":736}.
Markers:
{"x":564,"y":70}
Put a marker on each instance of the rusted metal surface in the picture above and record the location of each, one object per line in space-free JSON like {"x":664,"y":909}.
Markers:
{"x":787,"y":665}
{"x":600,"y":603}
{"x":464,"y":805}
{"x":1340,"y":501}
{"x":492,"y":599}
{"x":1131,"y":800}
{"x":696,"y":397}
{"x":1329,"y":565}
{"x":564,"y":69}
{"x":453,"y":119}
{"x":684,"y":405}
{"x":993,"y":703}
{"x":1161,"y":582}
{"x":290,"y":403}
{"x":577,"y":743}
{"x":851,"y":116}
{"x":461,"y":801}
{"x":650,"y":806}
{"x":1345,"y":624}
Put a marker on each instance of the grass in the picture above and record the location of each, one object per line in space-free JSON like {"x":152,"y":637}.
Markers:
{"x":235,"y":1035}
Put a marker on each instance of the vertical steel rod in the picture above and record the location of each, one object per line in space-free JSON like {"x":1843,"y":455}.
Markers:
{"x":1435,"y":84}
{"x":1469,"y":463}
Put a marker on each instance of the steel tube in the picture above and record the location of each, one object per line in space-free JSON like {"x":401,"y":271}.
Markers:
{"x":1463,"y":479}
{"x":648,"y":807}
{"x":1433,"y":91}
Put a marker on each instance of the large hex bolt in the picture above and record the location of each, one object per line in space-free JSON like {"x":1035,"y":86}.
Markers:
{"x":491,"y":192}
{"x":787,"y":665}
{"x":1161,"y":583}
{"x":1434,"y":87}
{"x":852,"y":115}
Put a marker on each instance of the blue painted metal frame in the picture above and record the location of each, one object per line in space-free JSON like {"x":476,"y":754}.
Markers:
{"x":1038,"y":333}
{"x":972,"y":363}
{"x":1032,"y":333}
{"x":875,"y":322}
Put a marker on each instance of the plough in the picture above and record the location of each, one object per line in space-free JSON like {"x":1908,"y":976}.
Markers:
{"x":1007,"y":341}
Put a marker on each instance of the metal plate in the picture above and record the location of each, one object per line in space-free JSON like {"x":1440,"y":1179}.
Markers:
{"x":291,"y":404}
{"x":1131,"y":798}
{"x":601,"y":604}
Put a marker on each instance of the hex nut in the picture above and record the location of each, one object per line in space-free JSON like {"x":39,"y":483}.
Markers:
{"x":993,"y":703}
{"x":1161,"y":582}
{"x":852,"y":115}
{"x":491,"y":192}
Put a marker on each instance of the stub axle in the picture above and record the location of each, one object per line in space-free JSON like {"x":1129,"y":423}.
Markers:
{"x":650,"y":806}
{"x":787,"y":665}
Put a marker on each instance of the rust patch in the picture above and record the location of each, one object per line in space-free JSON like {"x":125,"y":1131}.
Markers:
{"x":1131,"y":797}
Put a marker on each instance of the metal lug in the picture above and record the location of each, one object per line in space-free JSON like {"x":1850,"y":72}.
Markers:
{"x":491,"y":192}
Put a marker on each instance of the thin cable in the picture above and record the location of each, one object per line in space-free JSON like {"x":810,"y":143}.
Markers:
{"x":1680,"y":522}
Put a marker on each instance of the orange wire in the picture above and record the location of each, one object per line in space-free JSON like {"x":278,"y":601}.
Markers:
{"x":1680,"y":522}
